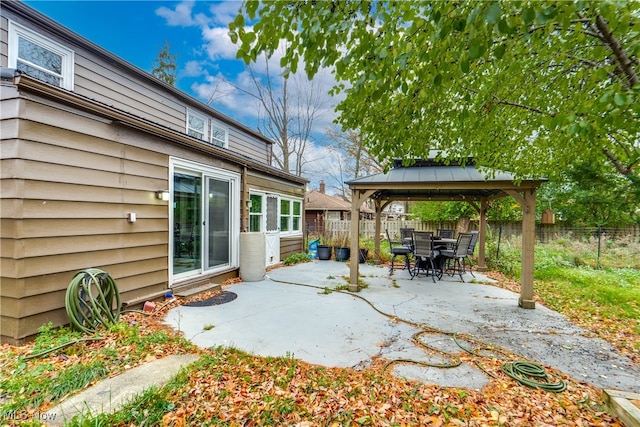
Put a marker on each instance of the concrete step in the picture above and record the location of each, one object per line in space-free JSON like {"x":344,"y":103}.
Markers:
{"x":188,"y":291}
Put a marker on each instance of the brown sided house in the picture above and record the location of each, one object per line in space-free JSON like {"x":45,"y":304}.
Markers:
{"x":105,"y":166}
{"x":320,"y":207}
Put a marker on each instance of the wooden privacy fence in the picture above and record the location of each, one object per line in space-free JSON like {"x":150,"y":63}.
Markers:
{"x":544,"y":232}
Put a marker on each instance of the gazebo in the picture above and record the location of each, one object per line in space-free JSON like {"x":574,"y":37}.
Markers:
{"x":434,"y":180}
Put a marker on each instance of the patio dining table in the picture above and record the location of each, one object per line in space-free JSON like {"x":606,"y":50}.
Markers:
{"x":439,"y":243}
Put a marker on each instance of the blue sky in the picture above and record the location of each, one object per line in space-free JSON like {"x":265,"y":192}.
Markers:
{"x":197,"y":33}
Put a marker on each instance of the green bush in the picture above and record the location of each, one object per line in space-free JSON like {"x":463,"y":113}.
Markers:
{"x":295,"y":259}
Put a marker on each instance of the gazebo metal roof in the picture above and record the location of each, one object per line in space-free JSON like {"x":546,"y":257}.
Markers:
{"x":434,"y":180}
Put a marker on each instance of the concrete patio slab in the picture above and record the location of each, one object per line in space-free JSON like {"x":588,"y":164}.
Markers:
{"x":292,"y":313}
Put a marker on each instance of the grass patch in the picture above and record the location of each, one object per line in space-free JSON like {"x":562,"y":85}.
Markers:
{"x":33,"y":384}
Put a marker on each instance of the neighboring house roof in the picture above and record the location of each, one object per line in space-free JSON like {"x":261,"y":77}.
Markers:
{"x":315,"y":200}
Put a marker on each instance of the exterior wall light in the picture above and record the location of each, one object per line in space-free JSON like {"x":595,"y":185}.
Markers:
{"x":163,"y":195}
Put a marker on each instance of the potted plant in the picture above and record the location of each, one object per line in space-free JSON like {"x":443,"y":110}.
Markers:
{"x":324,"y":252}
{"x":343,"y":252}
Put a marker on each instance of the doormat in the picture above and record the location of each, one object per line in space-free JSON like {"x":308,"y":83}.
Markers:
{"x":221,"y":298}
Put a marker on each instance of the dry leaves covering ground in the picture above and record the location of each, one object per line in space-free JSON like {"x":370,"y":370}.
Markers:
{"x":229,"y":387}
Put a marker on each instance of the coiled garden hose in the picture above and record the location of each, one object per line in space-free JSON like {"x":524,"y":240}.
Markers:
{"x":92,"y":299}
{"x":532,"y":375}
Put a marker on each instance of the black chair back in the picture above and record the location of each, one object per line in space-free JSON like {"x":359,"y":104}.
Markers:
{"x":423,"y":244}
{"x":406,"y":236}
{"x":472,"y":244}
{"x":446,"y":233}
{"x":462,"y":246}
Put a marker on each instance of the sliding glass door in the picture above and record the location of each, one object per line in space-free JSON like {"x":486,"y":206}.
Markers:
{"x":205,"y":218}
{"x":187,"y":222}
{"x":218,"y":216}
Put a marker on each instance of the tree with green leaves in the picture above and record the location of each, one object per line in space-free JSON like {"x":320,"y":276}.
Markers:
{"x":531,"y":87}
{"x":590,"y":194}
{"x":164,"y":66}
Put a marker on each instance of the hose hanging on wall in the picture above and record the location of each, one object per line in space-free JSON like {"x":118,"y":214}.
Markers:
{"x":92,"y":299}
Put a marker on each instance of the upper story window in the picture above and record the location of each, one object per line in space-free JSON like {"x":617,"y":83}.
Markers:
{"x":40,"y":57}
{"x":219,"y":135}
{"x":196,"y":125}
{"x":202,"y":127}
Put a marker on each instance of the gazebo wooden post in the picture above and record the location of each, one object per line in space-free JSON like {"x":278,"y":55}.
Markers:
{"x":430,"y":179}
{"x":482,"y":211}
{"x":357,"y":198}
{"x":528,"y":245}
{"x":482,"y":237}
{"x":355,"y":233}
{"x":527,"y":200}
{"x":377,"y":230}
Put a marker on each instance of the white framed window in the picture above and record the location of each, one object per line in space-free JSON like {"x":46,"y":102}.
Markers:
{"x":196,"y":125}
{"x":290,"y":216}
{"x":256,"y":212}
{"x":219,"y":135}
{"x":40,"y":57}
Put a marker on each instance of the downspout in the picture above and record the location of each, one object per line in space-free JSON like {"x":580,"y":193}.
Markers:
{"x":244,"y":202}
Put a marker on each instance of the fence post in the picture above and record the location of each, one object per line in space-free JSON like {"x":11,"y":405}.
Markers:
{"x":599,"y":240}
{"x":498,"y":248}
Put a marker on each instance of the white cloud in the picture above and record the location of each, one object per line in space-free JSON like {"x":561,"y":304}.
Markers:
{"x":193,"y":69}
{"x":225,"y":12}
{"x":218,"y":44}
{"x":322,"y":164}
{"x":180,"y":16}
{"x":226,"y":84}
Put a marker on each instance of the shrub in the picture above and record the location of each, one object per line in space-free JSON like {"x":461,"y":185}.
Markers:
{"x":295,"y":259}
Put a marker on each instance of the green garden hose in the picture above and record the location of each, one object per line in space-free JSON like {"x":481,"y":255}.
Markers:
{"x":92,"y":299}
{"x":532,"y":375}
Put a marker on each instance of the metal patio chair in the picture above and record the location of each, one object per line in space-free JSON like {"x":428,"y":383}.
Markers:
{"x":446,"y":233}
{"x":454,"y":258}
{"x":398,"y":248}
{"x":425,"y":255}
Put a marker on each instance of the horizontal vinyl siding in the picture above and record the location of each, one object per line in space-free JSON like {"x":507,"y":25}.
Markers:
{"x":101,"y":78}
{"x":247,"y":145}
{"x":65,"y":198}
{"x":271,"y":184}
{"x":100,"y":81}
{"x":105,"y":84}
{"x":290,"y":246}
